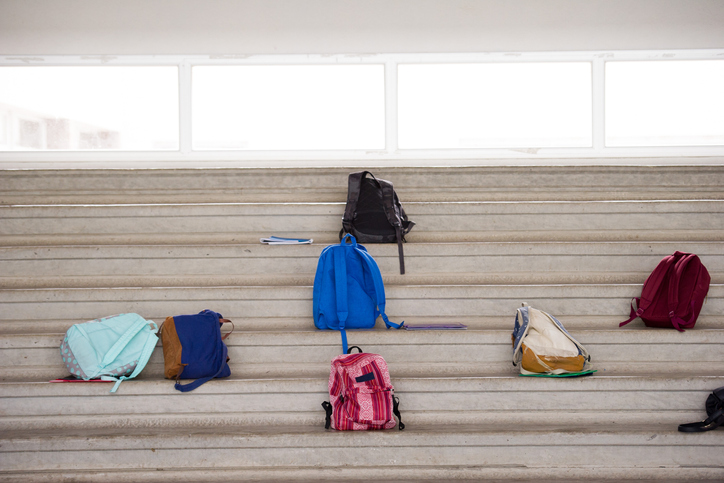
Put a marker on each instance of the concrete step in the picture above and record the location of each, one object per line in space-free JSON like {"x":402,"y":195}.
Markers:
{"x":488,"y":473}
{"x":258,"y":308}
{"x":35,"y":357}
{"x":637,"y":398}
{"x":414,"y":183}
{"x":425,"y":263}
{"x":504,"y":322}
{"x":235,"y":223}
{"x":256,"y":369}
{"x":533,"y":450}
{"x":577,"y":242}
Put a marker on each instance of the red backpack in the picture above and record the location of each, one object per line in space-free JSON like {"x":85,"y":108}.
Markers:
{"x":673,"y":294}
{"x":360,"y":394}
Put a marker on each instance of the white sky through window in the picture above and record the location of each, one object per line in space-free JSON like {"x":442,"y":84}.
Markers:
{"x":288,"y":107}
{"x":493,"y":105}
{"x":665,"y":103}
{"x":139,"y":103}
{"x":397,"y":106}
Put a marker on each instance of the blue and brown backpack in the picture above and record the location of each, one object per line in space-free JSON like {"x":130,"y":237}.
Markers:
{"x":193,"y":348}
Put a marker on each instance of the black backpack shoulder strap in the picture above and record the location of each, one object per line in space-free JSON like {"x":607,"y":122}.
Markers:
{"x":388,"y":200}
{"x":407,"y":224}
{"x":354,"y":185}
{"x":389,"y":197}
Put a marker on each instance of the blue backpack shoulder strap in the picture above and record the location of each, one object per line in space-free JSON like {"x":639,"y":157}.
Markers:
{"x":379,"y":288}
{"x":121,"y":344}
{"x":318,"y":277}
{"x":146,"y":352}
{"x":340,"y":280}
{"x":124,"y":340}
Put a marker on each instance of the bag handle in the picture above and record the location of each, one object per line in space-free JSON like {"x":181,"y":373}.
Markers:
{"x":193,"y":385}
{"x":348,"y":240}
{"x":232,"y":328}
{"x":715,"y":420}
{"x":714,"y":411}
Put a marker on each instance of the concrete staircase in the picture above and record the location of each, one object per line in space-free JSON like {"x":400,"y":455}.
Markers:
{"x":577,"y":242}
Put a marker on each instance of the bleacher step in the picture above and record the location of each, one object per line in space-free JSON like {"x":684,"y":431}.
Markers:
{"x":409,"y":353}
{"x":640,"y":447}
{"x":254,"y":307}
{"x":153,"y":404}
{"x":413,"y":474}
{"x":575,"y":241}
{"x":44,"y":325}
{"x":416,"y":183}
{"x":235,"y":223}
{"x":426,"y":264}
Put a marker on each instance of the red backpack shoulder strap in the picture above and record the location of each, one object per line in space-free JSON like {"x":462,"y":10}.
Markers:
{"x":651,"y":286}
{"x":684,"y":260}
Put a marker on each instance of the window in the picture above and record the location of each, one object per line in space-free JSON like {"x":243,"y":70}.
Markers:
{"x":4,"y":126}
{"x":494,"y":105}
{"x":342,"y":109}
{"x":288,"y":107}
{"x":29,"y":135}
{"x":665,"y":103}
{"x":91,"y":108}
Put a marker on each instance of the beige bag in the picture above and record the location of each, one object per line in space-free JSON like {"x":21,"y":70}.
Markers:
{"x":541,"y":345}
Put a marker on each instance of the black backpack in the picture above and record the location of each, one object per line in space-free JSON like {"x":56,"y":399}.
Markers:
{"x":374,"y":214}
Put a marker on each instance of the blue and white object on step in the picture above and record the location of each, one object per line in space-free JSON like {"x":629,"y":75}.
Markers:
{"x":114,"y":348}
{"x":348,"y":290}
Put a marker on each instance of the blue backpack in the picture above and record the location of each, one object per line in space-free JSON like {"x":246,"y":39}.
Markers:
{"x":348,"y":290}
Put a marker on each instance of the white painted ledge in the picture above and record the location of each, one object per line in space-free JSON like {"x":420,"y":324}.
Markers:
{"x":17,"y":161}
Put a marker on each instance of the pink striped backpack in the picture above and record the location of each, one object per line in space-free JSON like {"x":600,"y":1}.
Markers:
{"x":361,"y":396}
{"x":673,"y":294}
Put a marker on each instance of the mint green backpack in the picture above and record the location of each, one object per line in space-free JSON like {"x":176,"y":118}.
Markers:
{"x":114,"y":348}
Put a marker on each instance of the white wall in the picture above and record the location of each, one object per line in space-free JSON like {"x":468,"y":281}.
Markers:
{"x":94,"y":27}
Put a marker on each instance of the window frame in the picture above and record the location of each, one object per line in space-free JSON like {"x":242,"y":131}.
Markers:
{"x":598,"y":153}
